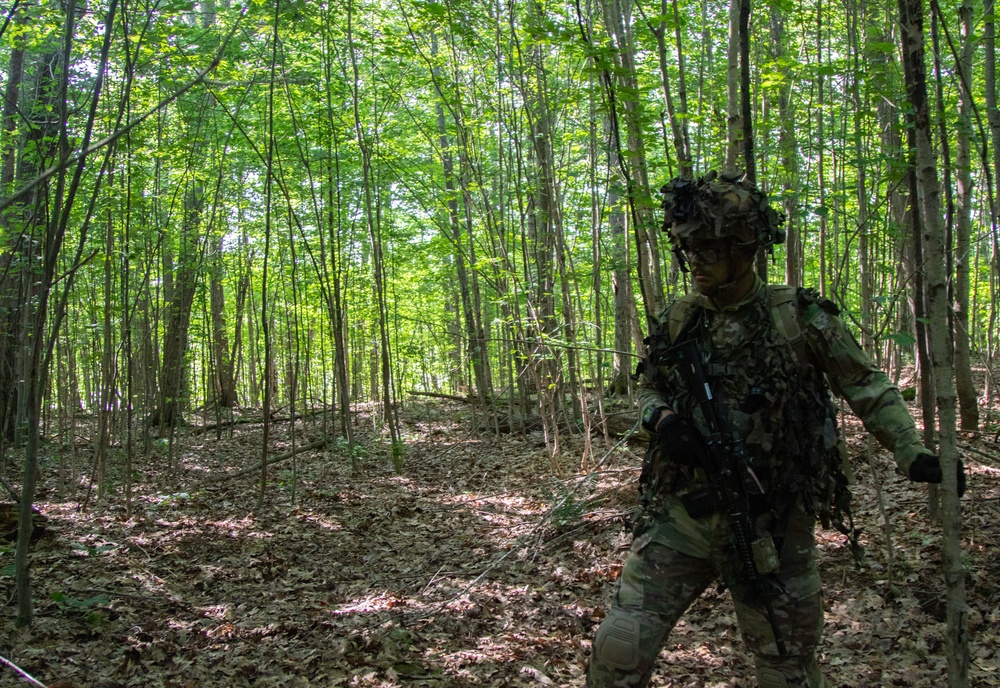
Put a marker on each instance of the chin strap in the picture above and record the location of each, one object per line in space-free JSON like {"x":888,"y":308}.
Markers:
{"x":726,"y":286}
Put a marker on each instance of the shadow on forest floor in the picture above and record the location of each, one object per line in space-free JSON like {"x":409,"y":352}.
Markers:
{"x":449,"y":574}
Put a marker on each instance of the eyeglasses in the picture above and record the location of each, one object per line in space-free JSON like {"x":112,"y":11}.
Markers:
{"x":705,"y":255}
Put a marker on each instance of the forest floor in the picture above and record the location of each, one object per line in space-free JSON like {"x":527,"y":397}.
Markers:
{"x":457,"y":571}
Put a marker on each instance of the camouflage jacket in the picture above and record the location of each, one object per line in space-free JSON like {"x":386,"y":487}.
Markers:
{"x":772,"y":358}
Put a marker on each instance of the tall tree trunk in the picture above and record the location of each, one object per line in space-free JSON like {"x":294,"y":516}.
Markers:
{"x":55,"y":86}
{"x":173,"y":390}
{"x":965,"y":387}
{"x":918,"y":305}
{"x":224,"y":378}
{"x":11,"y":249}
{"x":678,"y":124}
{"x":788,"y":144}
{"x":881,"y":68}
{"x":734,"y":129}
{"x":265,"y":315}
{"x":334,"y":205}
{"x":173,"y":371}
{"x":911,"y":21}
{"x":108,"y":363}
{"x":855,"y":18}
{"x":372,"y":221}
{"x":633,"y":167}
{"x":624,"y":301}
{"x":473,"y":341}
{"x":821,"y":153}
{"x":993,"y":117}
{"x":748,"y":150}
{"x":542,"y":234}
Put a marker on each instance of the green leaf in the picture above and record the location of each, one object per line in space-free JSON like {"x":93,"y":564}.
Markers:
{"x":885,"y":47}
{"x":903,"y":339}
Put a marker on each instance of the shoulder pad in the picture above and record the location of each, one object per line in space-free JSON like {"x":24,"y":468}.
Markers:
{"x":676,"y":314}
{"x":780,"y":294}
{"x":811,"y":296}
{"x":785,"y":311}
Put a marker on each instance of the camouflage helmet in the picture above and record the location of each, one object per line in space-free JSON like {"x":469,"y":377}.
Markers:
{"x":719,"y":206}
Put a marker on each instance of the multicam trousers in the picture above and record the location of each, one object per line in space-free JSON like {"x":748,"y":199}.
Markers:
{"x":671,"y":565}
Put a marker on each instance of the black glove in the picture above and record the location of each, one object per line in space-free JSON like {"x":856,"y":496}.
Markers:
{"x":926,"y":468}
{"x":681,"y":441}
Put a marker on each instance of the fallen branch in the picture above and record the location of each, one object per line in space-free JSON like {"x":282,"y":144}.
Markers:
{"x":251,"y":421}
{"x":253,"y":469}
{"x":27,"y":677}
{"x":10,"y":490}
{"x":453,"y":397}
{"x":973,"y":450}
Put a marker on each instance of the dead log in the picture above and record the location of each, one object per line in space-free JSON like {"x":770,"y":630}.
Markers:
{"x":256,"y":419}
{"x":453,"y":397}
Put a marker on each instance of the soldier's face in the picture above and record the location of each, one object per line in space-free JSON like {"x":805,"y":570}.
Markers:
{"x":709,"y":260}
{"x":714,"y":264}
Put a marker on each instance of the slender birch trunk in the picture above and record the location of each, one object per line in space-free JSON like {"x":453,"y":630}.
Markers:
{"x":928,"y":192}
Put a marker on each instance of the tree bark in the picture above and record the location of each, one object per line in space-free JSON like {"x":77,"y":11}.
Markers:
{"x":10,"y":252}
{"x":225,"y":379}
{"x":928,"y":192}
{"x":334,"y":203}
{"x":621,"y":286}
{"x":855,"y":15}
{"x":625,"y":87}
{"x":821,"y":153}
{"x":678,"y":125}
{"x":734,"y":129}
{"x":993,"y":117}
{"x":789,"y":147}
{"x":180,"y":295}
{"x":373,"y":224}
{"x":473,"y":342}
{"x":965,"y":387}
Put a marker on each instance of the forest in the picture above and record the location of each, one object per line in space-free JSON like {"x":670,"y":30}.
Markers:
{"x":318,"y":324}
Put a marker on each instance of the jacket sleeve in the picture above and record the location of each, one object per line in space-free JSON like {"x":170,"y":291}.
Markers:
{"x":867,"y":390}
{"x":649,"y":396}
{"x":650,"y":392}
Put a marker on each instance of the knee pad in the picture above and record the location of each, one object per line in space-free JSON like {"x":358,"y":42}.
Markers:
{"x":618,"y":640}
{"x":771,"y":678}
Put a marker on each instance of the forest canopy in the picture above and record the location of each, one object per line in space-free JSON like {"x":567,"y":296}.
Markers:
{"x":445,"y":197}
{"x":217,"y":210}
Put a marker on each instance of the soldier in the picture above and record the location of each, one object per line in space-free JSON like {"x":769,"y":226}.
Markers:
{"x":769,"y":356}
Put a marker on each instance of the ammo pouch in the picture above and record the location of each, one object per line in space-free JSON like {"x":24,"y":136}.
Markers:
{"x":700,"y":502}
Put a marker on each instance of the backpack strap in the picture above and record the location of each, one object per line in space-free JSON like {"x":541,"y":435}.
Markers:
{"x":785,"y":314}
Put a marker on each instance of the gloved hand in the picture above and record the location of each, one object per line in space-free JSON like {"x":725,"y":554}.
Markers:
{"x":926,"y":468}
{"x":681,"y":441}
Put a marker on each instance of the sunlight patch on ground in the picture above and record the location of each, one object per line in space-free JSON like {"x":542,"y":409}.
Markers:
{"x":829,"y":540}
{"x":324,"y":522}
{"x":216,"y":611}
{"x":980,"y":469}
{"x":510,"y":503}
{"x":241,"y":527}
{"x":381,"y":601}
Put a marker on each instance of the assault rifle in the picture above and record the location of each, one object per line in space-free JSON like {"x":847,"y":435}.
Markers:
{"x":733,"y":482}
